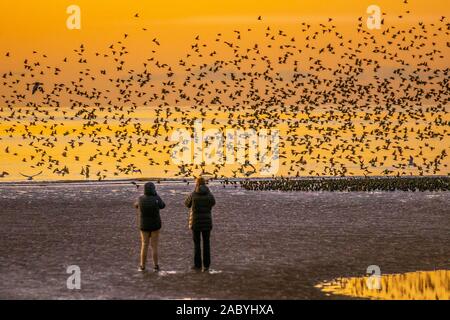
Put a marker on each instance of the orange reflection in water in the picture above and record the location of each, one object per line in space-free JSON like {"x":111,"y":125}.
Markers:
{"x":420,"y":285}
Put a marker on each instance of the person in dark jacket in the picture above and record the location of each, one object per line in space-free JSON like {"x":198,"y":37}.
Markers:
{"x":149,"y":223}
{"x":200,"y":203}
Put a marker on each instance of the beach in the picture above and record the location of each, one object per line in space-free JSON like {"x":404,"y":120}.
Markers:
{"x":265,"y":244}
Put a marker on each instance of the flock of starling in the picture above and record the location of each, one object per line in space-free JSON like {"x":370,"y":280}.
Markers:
{"x":371,"y":103}
{"x":361,"y":184}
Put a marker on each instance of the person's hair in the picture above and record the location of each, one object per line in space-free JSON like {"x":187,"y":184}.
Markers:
{"x":200,"y":181}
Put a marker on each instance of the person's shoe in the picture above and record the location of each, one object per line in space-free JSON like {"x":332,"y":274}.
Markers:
{"x":195,"y":268}
{"x":205,"y":269}
{"x":141,"y":268}
{"x":156,"y":268}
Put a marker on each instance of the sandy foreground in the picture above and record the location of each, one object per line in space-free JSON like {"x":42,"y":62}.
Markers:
{"x":268,"y":245}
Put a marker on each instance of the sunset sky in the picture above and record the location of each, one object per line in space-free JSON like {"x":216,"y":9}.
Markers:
{"x":41,"y":25}
{"x":36,"y":31}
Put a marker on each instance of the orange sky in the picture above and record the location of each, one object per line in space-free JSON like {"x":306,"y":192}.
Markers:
{"x":40,"y":25}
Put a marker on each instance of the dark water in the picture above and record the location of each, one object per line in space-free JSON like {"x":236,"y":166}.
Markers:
{"x":268,"y":245}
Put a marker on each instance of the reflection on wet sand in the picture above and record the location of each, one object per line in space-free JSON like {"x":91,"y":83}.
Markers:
{"x":420,"y":285}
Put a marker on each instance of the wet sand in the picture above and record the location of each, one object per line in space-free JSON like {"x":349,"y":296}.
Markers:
{"x":265,"y":244}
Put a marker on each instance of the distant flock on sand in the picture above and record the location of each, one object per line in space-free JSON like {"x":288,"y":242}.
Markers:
{"x":352,"y":184}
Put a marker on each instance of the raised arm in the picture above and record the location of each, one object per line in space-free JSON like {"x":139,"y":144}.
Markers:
{"x":161,"y":203}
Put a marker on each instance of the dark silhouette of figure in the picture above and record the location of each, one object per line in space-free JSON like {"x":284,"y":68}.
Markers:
{"x":200,"y":203}
{"x":149,"y":223}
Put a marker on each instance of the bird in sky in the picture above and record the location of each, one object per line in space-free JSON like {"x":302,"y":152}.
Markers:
{"x":36,"y":87}
{"x":32,"y":176}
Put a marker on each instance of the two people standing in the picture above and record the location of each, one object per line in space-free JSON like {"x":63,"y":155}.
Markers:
{"x":200,"y":203}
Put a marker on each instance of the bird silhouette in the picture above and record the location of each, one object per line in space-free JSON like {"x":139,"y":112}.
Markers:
{"x":32,"y":176}
{"x":135,"y":184}
{"x":36,"y":87}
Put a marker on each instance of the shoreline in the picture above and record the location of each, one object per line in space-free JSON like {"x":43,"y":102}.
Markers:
{"x":247,"y":183}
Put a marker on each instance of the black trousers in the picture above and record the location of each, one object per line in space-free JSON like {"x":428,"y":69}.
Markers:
{"x":198,"y":236}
